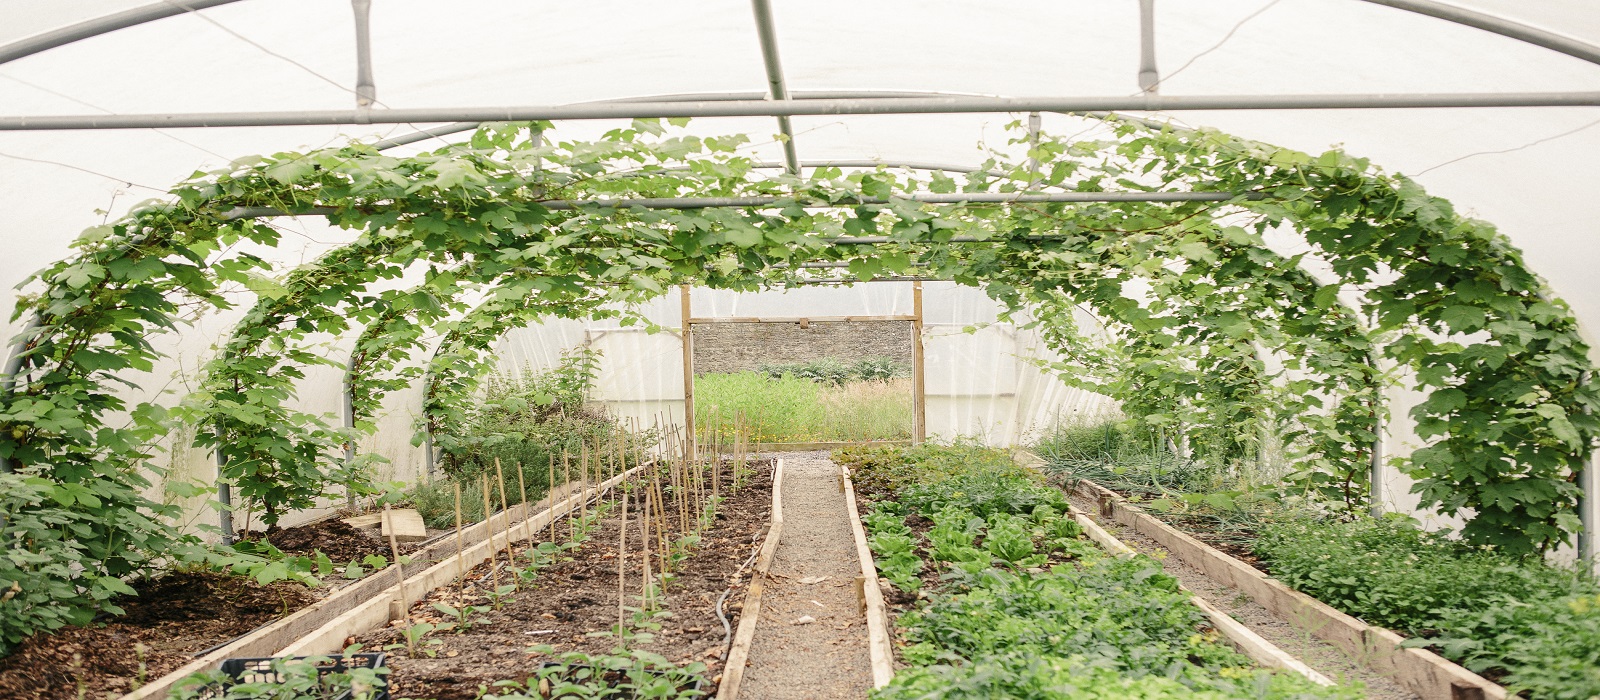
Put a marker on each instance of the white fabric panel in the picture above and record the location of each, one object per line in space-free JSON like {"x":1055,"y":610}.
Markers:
{"x":981,"y":376}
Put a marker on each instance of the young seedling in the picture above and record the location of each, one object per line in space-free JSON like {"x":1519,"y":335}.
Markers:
{"x":465,"y":616}
{"x":415,"y":635}
{"x":499,"y":595}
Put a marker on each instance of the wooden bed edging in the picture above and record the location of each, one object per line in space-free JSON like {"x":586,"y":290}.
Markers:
{"x":1253,"y":645}
{"x":750,"y":614}
{"x":354,"y":601}
{"x":1420,"y":671}
{"x":879,"y":648}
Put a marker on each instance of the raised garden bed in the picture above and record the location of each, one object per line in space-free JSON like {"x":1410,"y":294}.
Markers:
{"x":999,"y":593}
{"x":1420,"y":671}
{"x":485,"y":632}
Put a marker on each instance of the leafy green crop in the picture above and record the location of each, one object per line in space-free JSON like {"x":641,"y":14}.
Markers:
{"x":1089,"y":626}
{"x":1010,"y":541}
{"x":984,"y":494}
{"x":1534,"y":626}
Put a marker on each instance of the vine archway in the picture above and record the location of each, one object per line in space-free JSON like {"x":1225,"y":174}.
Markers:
{"x":1510,"y":413}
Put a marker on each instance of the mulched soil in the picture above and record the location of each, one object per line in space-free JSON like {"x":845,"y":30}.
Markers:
{"x":174,"y":617}
{"x":575,"y":598}
{"x":335,"y":538}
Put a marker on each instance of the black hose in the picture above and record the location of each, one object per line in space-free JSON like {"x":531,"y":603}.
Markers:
{"x":727,"y":629}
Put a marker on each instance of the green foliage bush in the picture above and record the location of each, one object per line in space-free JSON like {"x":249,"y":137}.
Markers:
{"x":832,"y":370}
{"x":48,"y":578}
{"x":525,"y":421}
{"x":528,"y":419}
{"x":1534,"y":626}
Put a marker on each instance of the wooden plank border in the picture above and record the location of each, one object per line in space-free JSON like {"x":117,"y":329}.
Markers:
{"x":1420,"y":671}
{"x":879,"y":647}
{"x":354,"y":601}
{"x":750,"y":615}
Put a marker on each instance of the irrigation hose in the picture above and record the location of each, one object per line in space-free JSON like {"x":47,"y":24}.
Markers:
{"x":727,"y":629}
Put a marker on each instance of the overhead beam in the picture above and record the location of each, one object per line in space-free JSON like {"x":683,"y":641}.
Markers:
{"x":763,"y":108}
{"x":764,"y":201}
{"x":767,"y":32}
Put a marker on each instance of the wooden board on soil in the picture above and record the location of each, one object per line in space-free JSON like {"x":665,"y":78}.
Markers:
{"x":174,"y":618}
{"x":571,"y":600}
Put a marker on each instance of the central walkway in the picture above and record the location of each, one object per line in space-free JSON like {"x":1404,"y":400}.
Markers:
{"x":813,"y":576}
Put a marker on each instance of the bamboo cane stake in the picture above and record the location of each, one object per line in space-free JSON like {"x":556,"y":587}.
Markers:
{"x":622,"y":566}
{"x":500,"y":475}
{"x":661,"y":529}
{"x":680,"y":478}
{"x":461,"y":546}
{"x":527,"y":508}
{"x":566,"y":478}
{"x":488,"y":528}
{"x":550,"y":495}
{"x":400,"y":572}
{"x":644,"y":529}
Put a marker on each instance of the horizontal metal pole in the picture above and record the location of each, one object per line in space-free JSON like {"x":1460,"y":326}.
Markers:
{"x":458,"y":127}
{"x":764,"y":201}
{"x":857,"y":280}
{"x":763,"y":108}
{"x":924,"y":197}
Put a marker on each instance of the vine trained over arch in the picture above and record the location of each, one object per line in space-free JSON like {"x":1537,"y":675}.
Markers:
{"x":1508,"y":410}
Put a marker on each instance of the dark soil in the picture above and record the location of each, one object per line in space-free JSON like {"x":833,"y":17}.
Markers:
{"x":576,"y":598}
{"x":335,"y":538}
{"x":173,"y":618}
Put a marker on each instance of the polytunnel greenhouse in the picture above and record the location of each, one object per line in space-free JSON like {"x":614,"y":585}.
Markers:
{"x":495,"y":350}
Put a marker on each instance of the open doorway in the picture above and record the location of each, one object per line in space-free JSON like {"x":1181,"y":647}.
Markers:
{"x":805,"y":381}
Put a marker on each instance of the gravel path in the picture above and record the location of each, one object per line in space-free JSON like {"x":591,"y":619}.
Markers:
{"x":827,"y":656}
{"x":1322,"y":656}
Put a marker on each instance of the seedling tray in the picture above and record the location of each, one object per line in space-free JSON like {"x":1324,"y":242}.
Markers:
{"x":260,"y":670}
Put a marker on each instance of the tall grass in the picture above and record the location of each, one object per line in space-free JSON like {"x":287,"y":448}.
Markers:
{"x":793,"y":409}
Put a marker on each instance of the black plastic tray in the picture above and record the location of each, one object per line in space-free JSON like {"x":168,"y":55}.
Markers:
{"x":257,"y":670}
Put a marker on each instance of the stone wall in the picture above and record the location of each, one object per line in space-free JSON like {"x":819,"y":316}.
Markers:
{"x":739,"y":347}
